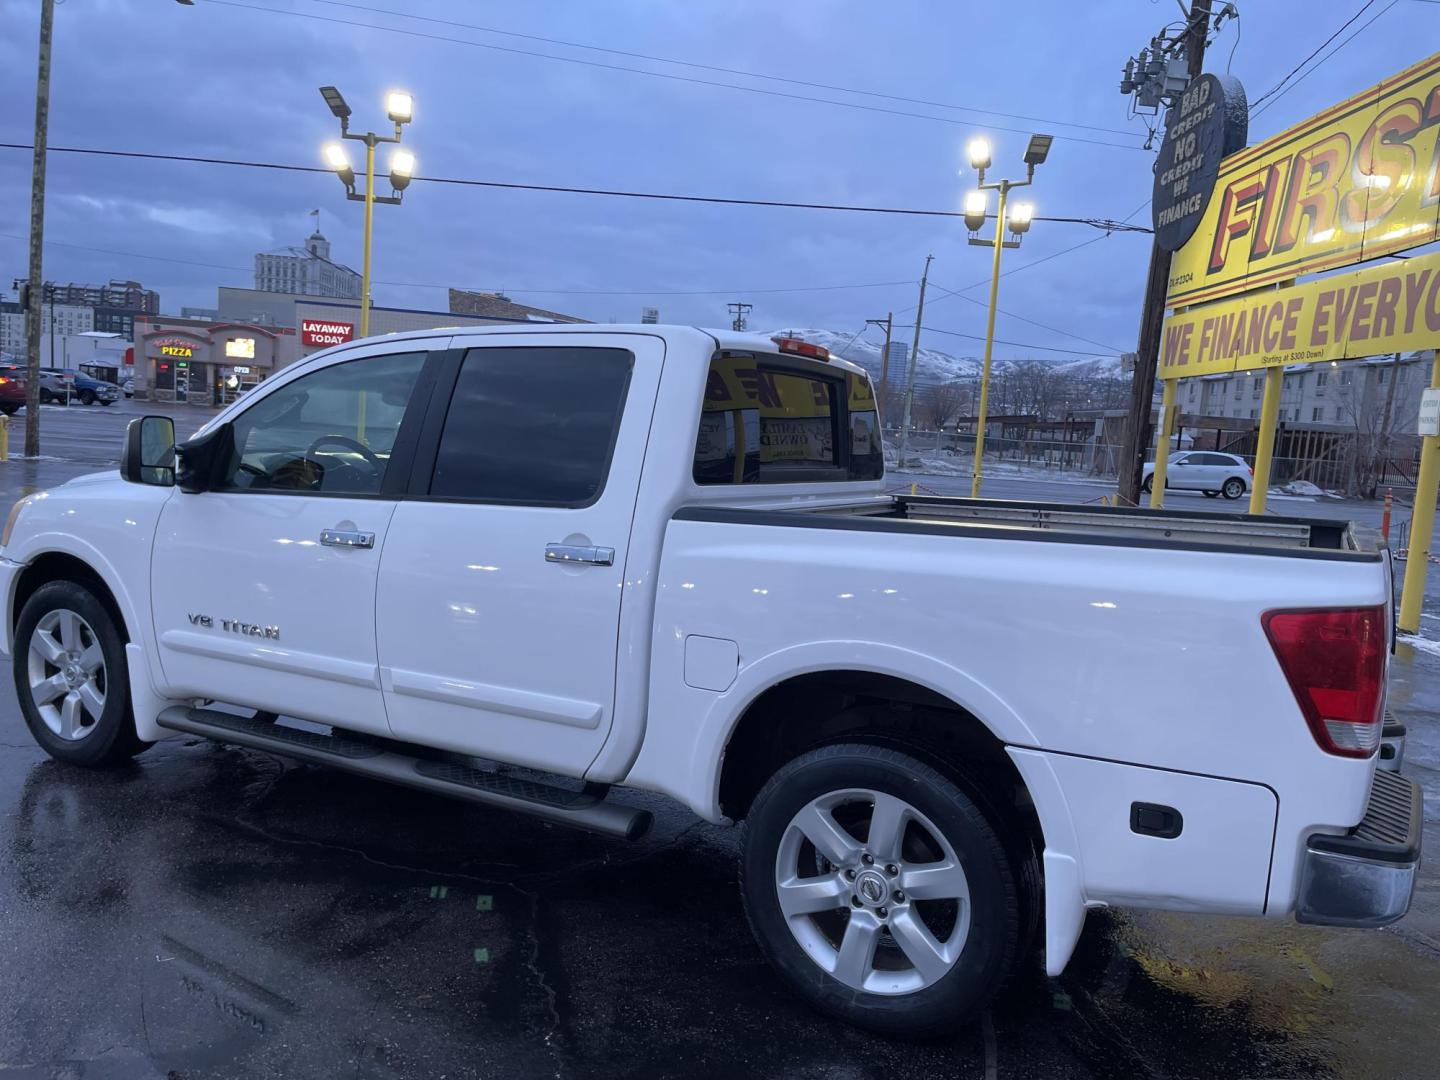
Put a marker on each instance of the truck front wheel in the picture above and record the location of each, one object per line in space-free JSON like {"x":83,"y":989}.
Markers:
{"x":879,"y":890}
{"x":71,"y":678}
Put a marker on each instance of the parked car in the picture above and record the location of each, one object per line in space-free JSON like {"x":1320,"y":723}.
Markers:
{"x":85,"y":388}
{"x":12,"y":388}
{"x":127,"y":385}
{"x":56,"y":384}
{"x":1204,"y":470}
{"x":664,"y":558}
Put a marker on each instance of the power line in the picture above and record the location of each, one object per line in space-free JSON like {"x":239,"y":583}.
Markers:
{"x":1359,"y":30}
{"x":1033,"y":322}
{"x":1363,"y":7}
{"x":713,"y":67}
{"x":1098,"y":223}
{"x":1002,"y":341}
{"x":526,"y":292}
{"x":653,"y":74}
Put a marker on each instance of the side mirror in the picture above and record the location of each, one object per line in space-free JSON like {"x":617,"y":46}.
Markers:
{"x":148,"y":456}
{"x":204,"y":459}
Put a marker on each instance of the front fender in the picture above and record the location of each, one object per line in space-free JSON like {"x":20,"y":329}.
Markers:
{"x":107,"y":524}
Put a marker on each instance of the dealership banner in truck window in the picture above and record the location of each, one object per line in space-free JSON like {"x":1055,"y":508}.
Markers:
{"x":1350,"y":184}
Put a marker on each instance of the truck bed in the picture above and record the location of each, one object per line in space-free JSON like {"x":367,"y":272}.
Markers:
{"x":1249,"y":534}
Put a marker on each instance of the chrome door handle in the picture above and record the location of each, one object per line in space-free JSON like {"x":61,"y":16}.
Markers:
{"x":350,"y":538}
{"x":580,"y":553}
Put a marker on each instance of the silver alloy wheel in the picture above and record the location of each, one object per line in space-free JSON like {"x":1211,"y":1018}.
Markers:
{"x":67,"y":674}
{"x":886,"y":915}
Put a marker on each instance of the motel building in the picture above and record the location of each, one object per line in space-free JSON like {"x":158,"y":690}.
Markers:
{"x":206,"y":363}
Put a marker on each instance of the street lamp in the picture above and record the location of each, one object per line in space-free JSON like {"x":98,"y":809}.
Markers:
{"x":400,"y":108}
{"x":1017,"y":223}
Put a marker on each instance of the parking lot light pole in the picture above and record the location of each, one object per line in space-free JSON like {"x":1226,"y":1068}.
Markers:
{"x":1422,"y":523}
{"x":1018,"y":222}
{"x":399,"y":107}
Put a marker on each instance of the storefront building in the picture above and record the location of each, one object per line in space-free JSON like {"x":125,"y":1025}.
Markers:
{"x":321,"y":322}
{"x":206,"y":363}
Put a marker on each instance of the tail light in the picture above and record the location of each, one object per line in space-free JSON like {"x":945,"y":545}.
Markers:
{"x":801,"y":348}
{"x":1335,"y":663}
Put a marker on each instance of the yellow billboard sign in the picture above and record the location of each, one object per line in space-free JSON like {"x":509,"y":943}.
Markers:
{"x":1350,"y":184}
{"x":1381,"y":309}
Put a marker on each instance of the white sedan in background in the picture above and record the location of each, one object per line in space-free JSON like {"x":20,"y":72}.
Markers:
{"x":1205,"y":470}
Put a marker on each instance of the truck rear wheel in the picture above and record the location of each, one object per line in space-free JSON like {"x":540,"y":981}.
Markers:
{"x":879,"y":890}
{"x":71,"y":678}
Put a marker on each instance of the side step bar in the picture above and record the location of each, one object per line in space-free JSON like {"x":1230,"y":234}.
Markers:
{"x":560,"y":805}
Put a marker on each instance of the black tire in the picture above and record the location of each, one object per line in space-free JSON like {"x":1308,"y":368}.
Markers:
{"x":1148,"y":484}
{"x":46,"y":397}
{"x":112,"y":740}
{"x":1211,"y":494}
{"x":990,"y":946}
{"x":1234,"y":488}
{"x":87,"y":397}
{"x":9,"y":410}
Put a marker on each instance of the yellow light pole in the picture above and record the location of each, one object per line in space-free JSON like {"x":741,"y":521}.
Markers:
{"x":1018,"y":222}
{"x":1265,"y":438}
{"x":1422,"y":522}
{"x":400,"y":108}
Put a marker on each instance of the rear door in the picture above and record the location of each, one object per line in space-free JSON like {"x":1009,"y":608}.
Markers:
{"x":504,"y":569}
{"x":1212,"y":470}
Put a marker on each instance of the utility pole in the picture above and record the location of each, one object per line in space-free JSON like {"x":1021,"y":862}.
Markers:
{"x":914,"y":359}
{"x":888,"y":323}
{"x":1152,"y":314}
{"x":34,"y":292}
{"x":739,"y":311}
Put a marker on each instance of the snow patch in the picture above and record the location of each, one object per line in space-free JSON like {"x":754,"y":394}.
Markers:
{"x":1422,"y":644}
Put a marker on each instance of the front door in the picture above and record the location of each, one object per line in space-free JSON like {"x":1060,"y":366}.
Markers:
{"x":264,"y":589}
{"x":503,"y":573}
{"x":1184,"y":472}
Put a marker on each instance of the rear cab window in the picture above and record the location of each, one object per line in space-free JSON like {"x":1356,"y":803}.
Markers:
{"x":773,"y":419}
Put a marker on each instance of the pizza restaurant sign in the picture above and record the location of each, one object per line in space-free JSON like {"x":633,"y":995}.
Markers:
{"x":321,"y":332}
{"x":176,"y":347}
{"x":1355,"y":182}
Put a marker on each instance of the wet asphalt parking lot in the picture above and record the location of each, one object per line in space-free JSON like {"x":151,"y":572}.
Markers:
{"x":218,"y":912}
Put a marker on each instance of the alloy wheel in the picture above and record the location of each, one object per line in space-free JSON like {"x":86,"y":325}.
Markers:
{"x":67,"y":675}
{"x":873,"y":891}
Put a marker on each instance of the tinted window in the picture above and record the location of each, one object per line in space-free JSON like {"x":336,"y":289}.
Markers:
{"x":533,"y":426}
{"x":329,"y":432}
{"x":762,"y":423}
{"x":867,"y":456}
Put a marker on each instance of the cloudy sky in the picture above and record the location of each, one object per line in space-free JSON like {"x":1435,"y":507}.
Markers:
{"x":237,"y":79}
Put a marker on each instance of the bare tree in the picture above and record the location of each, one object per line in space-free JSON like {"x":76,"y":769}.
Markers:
{"x":944,"y":403}
{"x":1371,"y":413}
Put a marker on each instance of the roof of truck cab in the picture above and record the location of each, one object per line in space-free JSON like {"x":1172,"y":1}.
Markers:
{"x":724,"y":339}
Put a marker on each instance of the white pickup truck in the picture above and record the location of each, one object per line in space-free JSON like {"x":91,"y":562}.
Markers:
{"x":524,"y":565}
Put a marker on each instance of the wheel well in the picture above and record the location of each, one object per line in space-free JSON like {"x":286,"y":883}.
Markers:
{"x":842,"y":706}
{"x":58,"y":566}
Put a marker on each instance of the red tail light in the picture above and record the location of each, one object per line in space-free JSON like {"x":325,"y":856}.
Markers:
{"x":1335,"y":663}
{"x":801,"y":348}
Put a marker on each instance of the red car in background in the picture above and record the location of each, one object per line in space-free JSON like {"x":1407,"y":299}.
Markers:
{"x":12,"y":388}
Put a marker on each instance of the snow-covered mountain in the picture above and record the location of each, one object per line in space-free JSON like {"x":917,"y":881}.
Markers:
{"x":935,"y":365}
